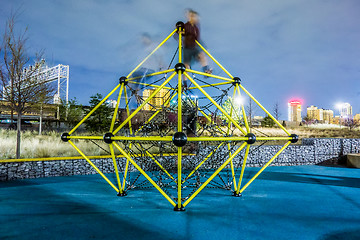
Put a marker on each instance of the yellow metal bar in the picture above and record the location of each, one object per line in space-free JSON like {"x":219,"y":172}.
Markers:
{"x":243,"y":168}
{"x":203,"y":161}
{"x":261,"y":106}
{"x":210,"y":75}
{"x":94,"y":109}
{"x":130,"y":128}
{"x":140,"y":138}
{"x":125,"y":173}
{"x":228,"y":145}
{"x":272,"y":138}
{"x":150,"y":85}
{"x":144,"y":103}
{"x":179,"y":180}
{"x":93,"y":165}
{"x":154,"y":115}
{"x":116,"y":109}
{"x":180,"y":46}
{"x":86,"y":137}
{"x":115,"y":167}
{"x":214,"y":174}
{"x":136,"y":68}
{"x":209,"y":85}
{"x":151,"y":74}
{"x":214,"y":60}
{"x":232,"y":171}
{"x":144,"y":174}
{"x":243,"y":111}
{"x":179,"y":157}
{"x":128,"y":112}
{"x":198,"y":139}
{"x":265,"y":166}
{"x":215,"y":103}
{"x":157,"y":163}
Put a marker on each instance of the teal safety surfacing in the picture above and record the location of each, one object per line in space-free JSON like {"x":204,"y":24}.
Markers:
{"x":299,"y":202}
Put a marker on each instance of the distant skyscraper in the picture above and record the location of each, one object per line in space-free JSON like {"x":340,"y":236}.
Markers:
{"x":294,"y":111}
{"x":158,"y":101}
{"x":345,"y":110}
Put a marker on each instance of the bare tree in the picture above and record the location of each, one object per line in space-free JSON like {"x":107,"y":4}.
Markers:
{"x":19,"y":81}
{"x":276,"y":111}
{"x":352,"y":124}
{"x":250,"y":109}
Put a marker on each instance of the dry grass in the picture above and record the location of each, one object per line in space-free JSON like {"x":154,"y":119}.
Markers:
{"x":48,"y":145}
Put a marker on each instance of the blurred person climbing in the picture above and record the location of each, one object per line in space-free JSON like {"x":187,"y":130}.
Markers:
{"x":191,"y":51}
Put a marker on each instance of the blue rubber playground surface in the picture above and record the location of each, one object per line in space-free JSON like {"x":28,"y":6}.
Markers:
{"x":300,"y":202}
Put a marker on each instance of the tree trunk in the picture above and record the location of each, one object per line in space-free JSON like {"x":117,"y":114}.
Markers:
{"x":18,"y":136}
{"x":40,"y":122}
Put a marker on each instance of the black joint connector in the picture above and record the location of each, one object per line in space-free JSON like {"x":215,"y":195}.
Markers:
{"x":181,"y":209}
{"x":180,"y":26}
{"x":294,"y":139}
{"x":107,"y":137}
{"x":236,"y":81}
{"x":122,"y":80}
{"x":64,"y":137}
{"x":179,"y":139}
{"x":122,"y":194}
{"x":235,"y":194}
{"x":180,"y":67}
{"x":251,"y":138}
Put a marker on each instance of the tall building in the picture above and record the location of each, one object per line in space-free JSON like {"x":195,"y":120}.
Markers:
{"x":314,"y":113}
{"x":294,"y":111}
{"x":319,"y":114}
{"x":158,"y":101}
{"x":328,"y":116}
{"x":345,"y":110}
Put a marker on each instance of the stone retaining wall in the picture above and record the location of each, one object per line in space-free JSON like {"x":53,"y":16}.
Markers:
{"x":312,"y":151}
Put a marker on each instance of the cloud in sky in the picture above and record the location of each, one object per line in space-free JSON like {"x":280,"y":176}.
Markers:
{"x":281,"y":49}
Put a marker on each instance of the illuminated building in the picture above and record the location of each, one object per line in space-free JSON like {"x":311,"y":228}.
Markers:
{"x":157,"y":101}
{"x":294,"y":111}
{"x":319,"y":114}
{"x":314,"y":113}
{"x":111,"y":103}
{"x":345,"y":110}
{"x":357,"y":117}
{"x":328,"y":116}
{"x":336,"y":120}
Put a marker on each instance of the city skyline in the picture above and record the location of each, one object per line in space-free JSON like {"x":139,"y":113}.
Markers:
{"x":280,"y":49}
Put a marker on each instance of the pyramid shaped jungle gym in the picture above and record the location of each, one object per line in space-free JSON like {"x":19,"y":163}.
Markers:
{"x":197,"y":137}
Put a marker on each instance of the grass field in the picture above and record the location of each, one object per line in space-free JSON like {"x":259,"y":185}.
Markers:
{"x":50,"y":145}
{"x":46,"y":145}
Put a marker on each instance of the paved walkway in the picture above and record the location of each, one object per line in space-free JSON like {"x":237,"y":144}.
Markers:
{"x":301,"y":202}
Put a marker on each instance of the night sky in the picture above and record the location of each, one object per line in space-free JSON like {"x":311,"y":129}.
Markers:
{"x":281,"y":49}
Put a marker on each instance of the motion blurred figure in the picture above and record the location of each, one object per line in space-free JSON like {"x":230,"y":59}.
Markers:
{"x":191,"y":50}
